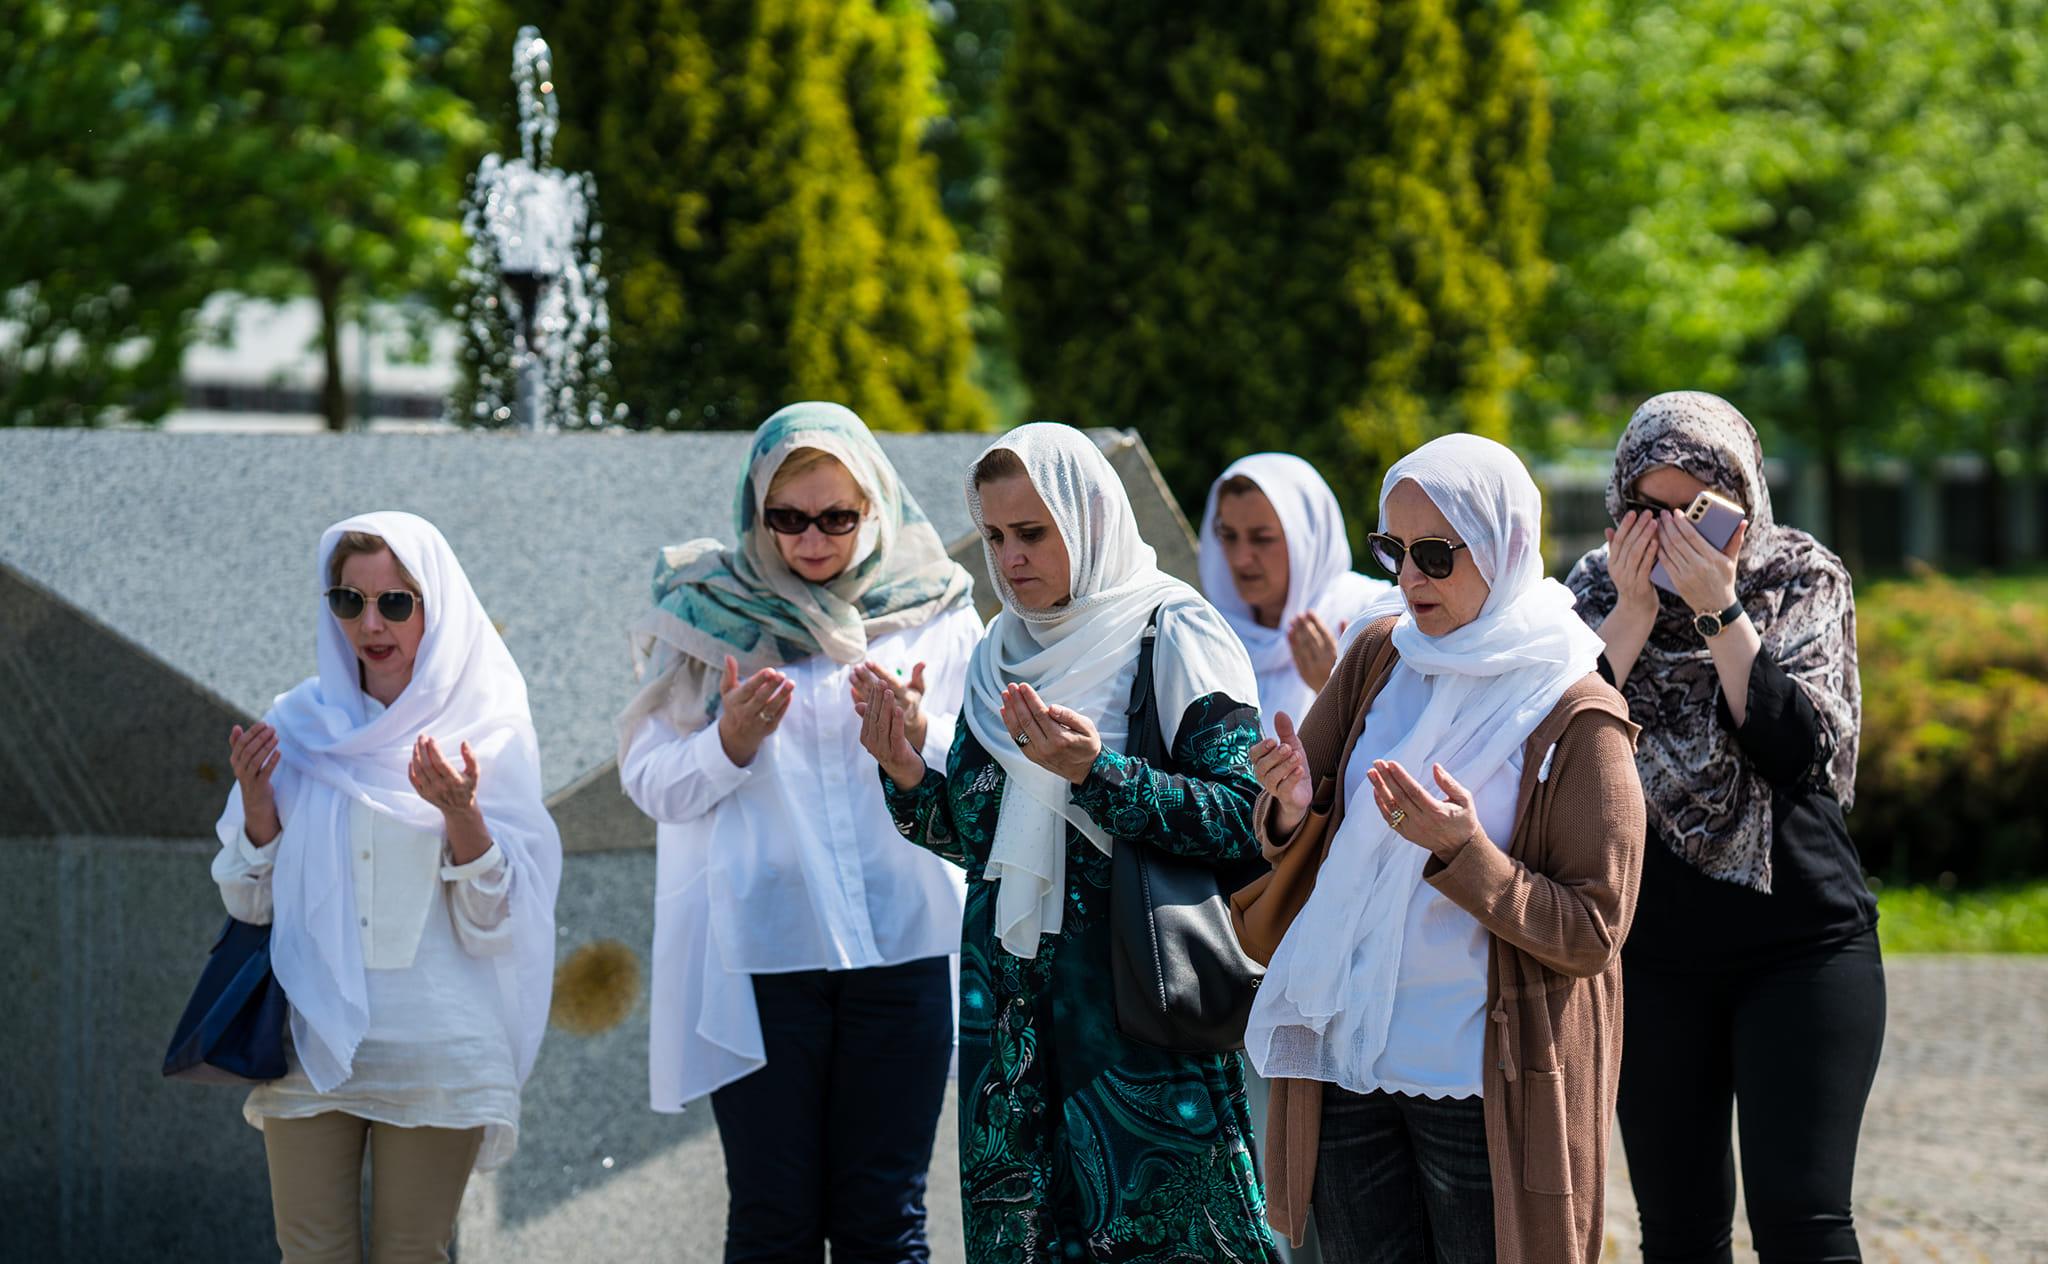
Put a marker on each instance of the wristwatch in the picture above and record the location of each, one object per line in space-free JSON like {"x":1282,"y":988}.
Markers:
{"x":1709,"y":624}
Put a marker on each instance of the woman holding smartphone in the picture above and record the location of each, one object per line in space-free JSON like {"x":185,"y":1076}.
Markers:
{"x":1752,"y":972}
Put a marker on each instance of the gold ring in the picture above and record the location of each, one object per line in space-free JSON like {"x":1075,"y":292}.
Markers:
{"x":1398,"y":817}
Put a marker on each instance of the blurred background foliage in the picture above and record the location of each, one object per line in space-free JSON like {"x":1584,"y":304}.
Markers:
{"x":153,"y":155}
{"x":773,"y":228}
{"x":1955,"y":729}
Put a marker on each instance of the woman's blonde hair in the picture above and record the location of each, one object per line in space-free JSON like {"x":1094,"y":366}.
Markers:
{"x":802,"y":461}
{"x":363,"y":544}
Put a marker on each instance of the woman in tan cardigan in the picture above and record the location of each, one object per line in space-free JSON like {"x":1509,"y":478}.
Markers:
{"x":1442,"y":1009}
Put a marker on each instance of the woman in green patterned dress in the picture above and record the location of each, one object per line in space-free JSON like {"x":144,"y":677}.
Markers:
{"x":1075,"y":1143}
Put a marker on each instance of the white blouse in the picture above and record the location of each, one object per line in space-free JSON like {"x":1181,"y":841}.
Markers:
{"x":436,"y":1054}
{"x":1436,"y":1037}
{"x":790,"y":863}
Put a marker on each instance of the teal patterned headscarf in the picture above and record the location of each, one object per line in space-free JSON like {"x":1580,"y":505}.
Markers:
{"x":711,"y":600}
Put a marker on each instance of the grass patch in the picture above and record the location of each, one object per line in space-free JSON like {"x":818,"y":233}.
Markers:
{"x":1998,"y":919}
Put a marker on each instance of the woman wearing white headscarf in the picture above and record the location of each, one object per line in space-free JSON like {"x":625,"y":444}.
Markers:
{"x":1754,"y":976}
{"x":411,"y":900}
{"x":1441,"y":1019}
{"x":802,"y":968}
{"x":1276,"y":562}
{"x":1076,"y":1143}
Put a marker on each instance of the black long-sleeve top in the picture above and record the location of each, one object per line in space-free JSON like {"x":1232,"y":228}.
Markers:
{"x":1686,"y":920}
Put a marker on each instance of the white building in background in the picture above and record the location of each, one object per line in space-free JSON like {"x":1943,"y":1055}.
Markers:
{"x":261,"y":371}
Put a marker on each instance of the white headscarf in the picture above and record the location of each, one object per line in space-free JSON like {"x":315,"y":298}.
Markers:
{"x":1082,"y":656}
{"x":464,"y":688}
{"x":1319,"y":574}
{"x":1328,"y":997}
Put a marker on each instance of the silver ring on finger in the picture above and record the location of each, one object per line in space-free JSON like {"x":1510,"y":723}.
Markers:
{"x":767,"y":715}
{"x":1023,"y":739}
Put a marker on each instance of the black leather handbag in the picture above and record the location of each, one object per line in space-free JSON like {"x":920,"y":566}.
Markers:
{"x":232,"y":1031}
{"x":1182,"y":982}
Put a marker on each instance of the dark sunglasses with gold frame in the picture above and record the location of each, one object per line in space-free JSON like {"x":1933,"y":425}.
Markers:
{"x":1434,"y":555}
{"x":395,"y":605}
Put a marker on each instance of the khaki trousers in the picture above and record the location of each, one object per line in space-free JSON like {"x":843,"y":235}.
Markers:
{"x":316,"y":1182}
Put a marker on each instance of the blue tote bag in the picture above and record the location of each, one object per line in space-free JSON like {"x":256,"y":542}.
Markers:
{"x":232,"y":1031}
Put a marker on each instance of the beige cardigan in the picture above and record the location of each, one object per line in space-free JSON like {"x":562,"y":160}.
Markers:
{"x":1557,"y":904}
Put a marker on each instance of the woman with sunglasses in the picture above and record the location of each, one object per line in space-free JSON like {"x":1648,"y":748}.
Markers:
{"x":801,"y":963}
{"x":410,"y":897}
{"x":1077,"y":1143}
{"x":1441,"y":1019}
{"x":1753,"y":974}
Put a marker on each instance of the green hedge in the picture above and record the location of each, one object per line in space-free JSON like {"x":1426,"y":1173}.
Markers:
{"x":1955,"y":729}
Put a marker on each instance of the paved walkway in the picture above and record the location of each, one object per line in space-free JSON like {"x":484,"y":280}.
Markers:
{"x":1954,"y":1160}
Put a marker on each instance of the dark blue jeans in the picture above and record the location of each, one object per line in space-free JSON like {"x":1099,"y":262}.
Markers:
{"x":832,"y":1139}
{"x":1403,"y":1180}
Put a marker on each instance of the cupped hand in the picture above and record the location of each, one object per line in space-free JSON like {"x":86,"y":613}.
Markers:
{"x":1632,"y":550}
{"x":1443,"y":826}
{"x":439,"y":782}
{"x":1281,"y":765}
{"x":750,"y":710}
{"x":909,"y":695}
{"x":1055,"y":738}
{"x":884,"y":733}
{"x":1314,"y":647}
{"x":253,"y":755}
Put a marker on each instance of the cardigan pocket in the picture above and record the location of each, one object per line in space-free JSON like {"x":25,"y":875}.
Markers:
{"x":1546,"y":1153}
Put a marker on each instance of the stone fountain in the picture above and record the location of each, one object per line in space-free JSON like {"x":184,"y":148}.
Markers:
{"x":534,"y":319}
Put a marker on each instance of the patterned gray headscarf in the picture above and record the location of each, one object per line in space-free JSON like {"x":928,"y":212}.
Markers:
{"x":1712,"y":808}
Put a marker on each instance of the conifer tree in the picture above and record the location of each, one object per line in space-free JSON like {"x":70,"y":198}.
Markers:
{"x":772,"y":227}
{"x":1302,"y":224}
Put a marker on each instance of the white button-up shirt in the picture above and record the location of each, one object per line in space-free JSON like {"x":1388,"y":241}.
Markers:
{"x":435,"y":1055}
{"x":790,"y":863}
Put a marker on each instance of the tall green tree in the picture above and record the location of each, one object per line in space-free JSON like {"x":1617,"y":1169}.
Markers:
{"x":152,"y":157}
{"x":772,"y":227}
{"x":1258,"y":224}
{"x":973,"y":39}
{"x":1830,"y":210}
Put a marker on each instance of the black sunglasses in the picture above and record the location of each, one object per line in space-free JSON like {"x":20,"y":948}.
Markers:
{"x":1636,"y":504}
{"x":1434,"y":556}
{"x":783,"y":520}
{"x":395,"y":606}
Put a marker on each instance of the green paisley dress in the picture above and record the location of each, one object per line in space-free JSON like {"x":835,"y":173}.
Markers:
{"x":1076,"y":1144}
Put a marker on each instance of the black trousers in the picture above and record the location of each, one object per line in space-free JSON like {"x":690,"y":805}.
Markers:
{"x":1403,"y":1180}
{"x":832,"y":1139}
{"x":1792,"y":1046}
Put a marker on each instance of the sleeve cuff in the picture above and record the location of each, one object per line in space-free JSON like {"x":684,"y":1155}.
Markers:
{"x":482,"y":868}
{"x":896,"y":796}
{"x":1110,"y":771}
{"x":1780,"y":734}
{"x":253,"y":856}
{"x":1472,"y":877}
{"x":712,"y":761}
